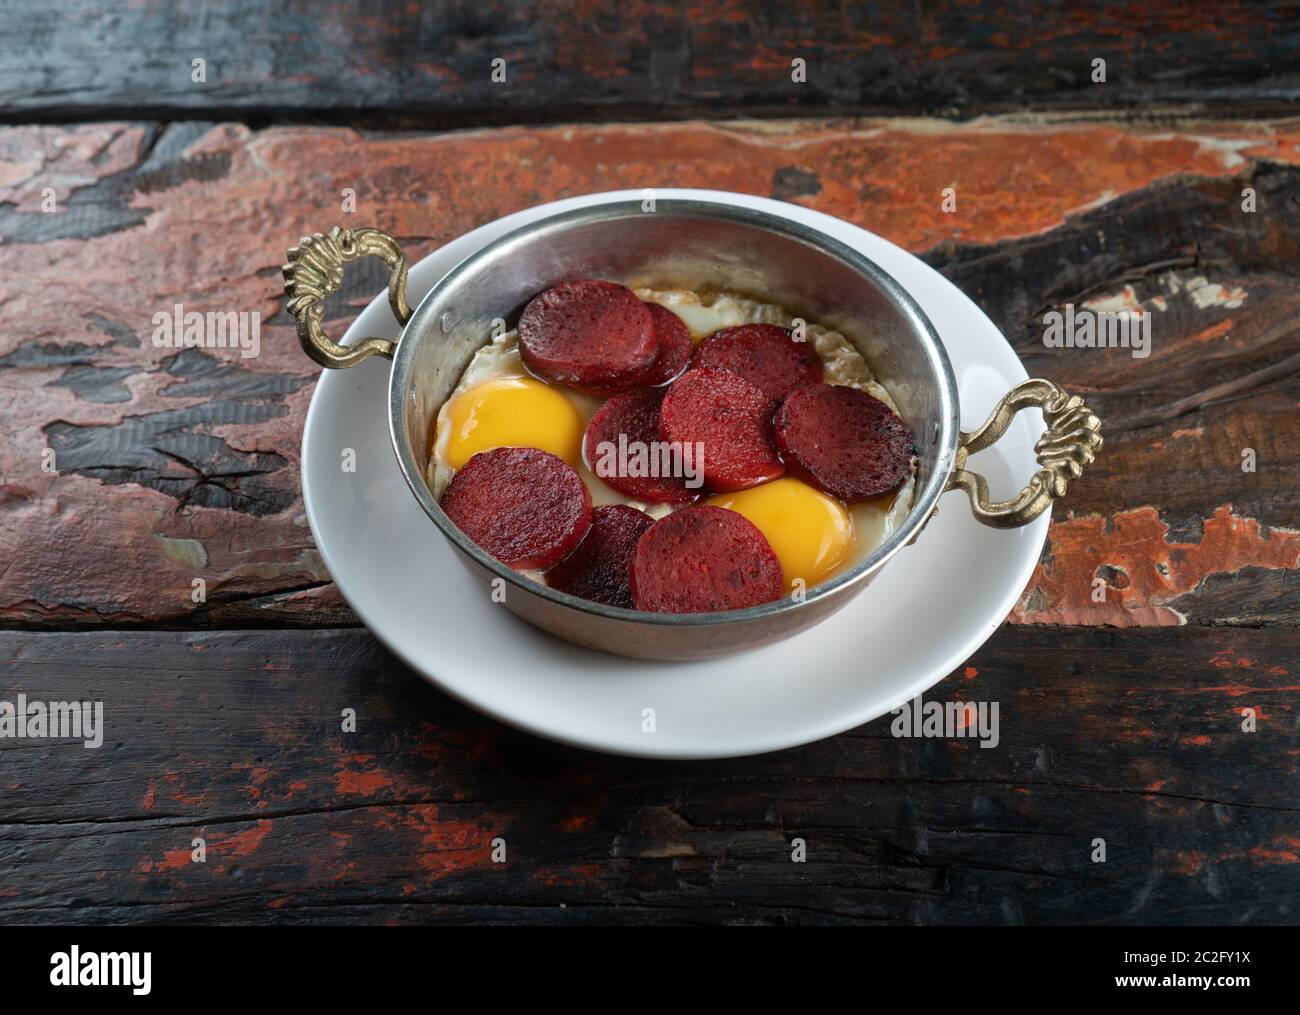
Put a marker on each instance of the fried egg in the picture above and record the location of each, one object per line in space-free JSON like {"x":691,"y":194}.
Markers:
{"x":810,"y":533}
{"x":513,"y":412}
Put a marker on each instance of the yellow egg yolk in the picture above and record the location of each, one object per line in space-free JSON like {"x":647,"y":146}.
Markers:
{"x":513,"y":412}
{"x":810,"y":532}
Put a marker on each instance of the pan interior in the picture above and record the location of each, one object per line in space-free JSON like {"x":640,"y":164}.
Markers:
{"x":679,"y":245}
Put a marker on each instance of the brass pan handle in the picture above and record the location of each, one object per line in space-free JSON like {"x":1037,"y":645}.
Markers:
{"x":1069,"y":443}
{"x":315,"y":270}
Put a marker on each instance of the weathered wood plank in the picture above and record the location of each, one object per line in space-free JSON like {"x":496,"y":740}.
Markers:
{"x":431,"y":64}
{"x":1133,"y":737}
{"x":173,"y":465}
{"x":1197,"y":482}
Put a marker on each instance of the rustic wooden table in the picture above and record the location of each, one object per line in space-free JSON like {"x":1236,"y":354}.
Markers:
{"x":127,"y":186}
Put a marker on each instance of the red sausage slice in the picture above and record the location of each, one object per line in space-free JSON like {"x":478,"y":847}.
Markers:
{"x":587,"y":333}
{"x":646,"y":469}
{"x":765,"y":355}
{"x":600,"y":569}
{"x":526,"y":507}
{"x":702,"y":559}
{"x":729,"y":417}
{"x":844,"y":441}
{"x":674,"y":344}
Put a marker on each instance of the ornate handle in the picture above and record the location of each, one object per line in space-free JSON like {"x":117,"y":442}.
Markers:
{"x":315,"y":270}
{"x":1069,"y":443}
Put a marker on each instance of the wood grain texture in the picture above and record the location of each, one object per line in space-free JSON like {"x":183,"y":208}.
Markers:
{"x":176,"y":464}
{"x":428,"y":65}
{"x":1133,"y":737}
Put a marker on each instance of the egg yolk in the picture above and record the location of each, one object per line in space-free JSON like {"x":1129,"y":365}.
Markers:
{"x":513,"y":412}
{"x":809,"y":532}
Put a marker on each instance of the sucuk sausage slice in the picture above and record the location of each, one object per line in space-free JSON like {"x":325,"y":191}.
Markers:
{"x":600,"y":569}
{"x":703,"y":559}
{"x":587,"y":333}
{"x":674,"y":346}
{"x":526,"y":507}
{"x":730,"y":420}
{"x":765,"y":355}
{"x":646,"y":468}
{"x":848,"y":443}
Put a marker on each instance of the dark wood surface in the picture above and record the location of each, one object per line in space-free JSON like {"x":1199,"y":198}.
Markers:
{"x":1128,"y":736}
{"x":430,"y":65}
{"x":1121,"y":719}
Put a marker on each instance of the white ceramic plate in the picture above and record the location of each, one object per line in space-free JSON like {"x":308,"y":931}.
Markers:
{"x":929,"y":609}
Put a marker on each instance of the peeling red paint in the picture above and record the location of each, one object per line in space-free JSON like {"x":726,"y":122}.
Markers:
{"x":1213,"y":331}
{"x":353,"y":777}
{"x":1227,"y":659}
{"x":217,"y":845}
{"x":1159,"y":571}
{"x":447,"y":845}
{"x":173,"y":859}
{"x":1280,"y":849}
{"x":450,"y":845}
{"x":243,"y":843}
{"x":349,"y":783}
